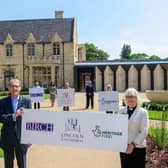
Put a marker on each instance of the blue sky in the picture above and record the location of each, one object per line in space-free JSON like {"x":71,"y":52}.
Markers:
{"x":106,"y":23}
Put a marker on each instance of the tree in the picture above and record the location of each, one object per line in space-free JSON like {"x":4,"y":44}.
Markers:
{"x":139,"y":56}
{"x":154,"y":57}
{"x":125,"y":52}
{"x":93,"y":53}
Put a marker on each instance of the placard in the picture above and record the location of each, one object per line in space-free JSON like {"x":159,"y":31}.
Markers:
{"x":36,"y":94}
{"x":89,"y":130}
{"x":108,"y":101}
{"x":66,"y":97}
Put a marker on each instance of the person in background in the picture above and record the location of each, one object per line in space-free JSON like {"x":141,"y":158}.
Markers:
{"x":36,"y":104}
{"x":66,"y":86}
{"x":52,"y":90}
{"x":11,"y":112}
{"x":109,"y":89}
{"x":89,"y":95}
{"x":138,"y":123}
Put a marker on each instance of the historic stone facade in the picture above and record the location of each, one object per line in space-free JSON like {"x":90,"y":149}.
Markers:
{"x":42,"y":49}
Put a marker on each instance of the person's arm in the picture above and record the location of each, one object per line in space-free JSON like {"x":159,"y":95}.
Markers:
{"x":5,"y":117}
{"x":143,"y":129}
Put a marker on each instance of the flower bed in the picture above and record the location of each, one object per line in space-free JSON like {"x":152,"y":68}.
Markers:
{"x":156,"y":157}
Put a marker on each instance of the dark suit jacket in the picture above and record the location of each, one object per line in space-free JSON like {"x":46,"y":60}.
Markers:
{"x":89,"y":90}
{"x":11,"y":130}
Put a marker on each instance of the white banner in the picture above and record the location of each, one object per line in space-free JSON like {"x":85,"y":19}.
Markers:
{"x":66,"y":97}
{"x":36,"y":94}
{"x":89,"y":130}
{"x":108,"y":101}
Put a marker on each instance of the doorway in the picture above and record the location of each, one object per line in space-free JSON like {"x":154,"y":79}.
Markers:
{"x":84,"y":78}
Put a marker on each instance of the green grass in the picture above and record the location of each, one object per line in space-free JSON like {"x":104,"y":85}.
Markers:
{"x":157,"y":115}
{"x":46,"y":96}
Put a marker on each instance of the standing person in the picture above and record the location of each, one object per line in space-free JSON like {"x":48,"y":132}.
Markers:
{"x":89,"y":95}
{"x":138,"y":122}
{"x":52,"y":90}
{"x":67,"y":86}
{"x":11,"y":111}
{"x":109,"y":89}
{"x":36,"y":104}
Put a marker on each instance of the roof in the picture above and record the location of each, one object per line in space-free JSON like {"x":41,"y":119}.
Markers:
{"x":42,"y":29}
{"x":120,"y":62}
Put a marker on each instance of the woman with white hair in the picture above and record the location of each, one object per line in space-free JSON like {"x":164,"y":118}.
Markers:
{"x":138,"y":122}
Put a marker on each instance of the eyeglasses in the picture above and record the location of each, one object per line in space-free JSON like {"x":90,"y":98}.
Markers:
{"x":130,"y":97}
{"x":15,"y":86}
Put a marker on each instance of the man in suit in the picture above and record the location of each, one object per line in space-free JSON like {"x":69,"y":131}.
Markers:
{"x":11,"y":111}
{"x":89,"y":95}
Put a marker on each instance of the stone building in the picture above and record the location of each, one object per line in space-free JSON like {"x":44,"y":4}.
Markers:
{"x":47,"y":50}
{"x":41,"y":49}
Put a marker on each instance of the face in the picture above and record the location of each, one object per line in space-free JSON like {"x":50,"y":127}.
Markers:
{"x":131,"y":100}
{"x":37,"y":83}
{"x":14,"y":88}
{"x":66,"y":85}
{"x":109,"y":88}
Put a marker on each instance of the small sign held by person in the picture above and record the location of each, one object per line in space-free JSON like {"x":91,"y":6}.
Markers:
{"x":108,"y":101}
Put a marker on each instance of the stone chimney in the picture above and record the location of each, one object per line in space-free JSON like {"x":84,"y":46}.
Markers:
{"x":59,"y":14}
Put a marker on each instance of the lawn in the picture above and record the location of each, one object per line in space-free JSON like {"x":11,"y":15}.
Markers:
{"x":46,"y":96}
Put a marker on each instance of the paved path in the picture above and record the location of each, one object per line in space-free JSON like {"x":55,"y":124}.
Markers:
{"x":41,"y":156}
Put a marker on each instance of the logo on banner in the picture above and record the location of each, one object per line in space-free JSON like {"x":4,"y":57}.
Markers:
{"x":72,"y":131}
{"x":105,"y":101}
{"x":98,"y":132}
{"x":72,"y":125}
{"x":41,"y":127}
{"x":36,"y":94}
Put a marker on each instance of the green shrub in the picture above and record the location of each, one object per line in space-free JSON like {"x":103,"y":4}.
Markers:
{"x":1,"y":152}
{"x":155,"y":106}
{"x":4,"y":93}
{"x":46,"y":91}
{"x":161,"y":135}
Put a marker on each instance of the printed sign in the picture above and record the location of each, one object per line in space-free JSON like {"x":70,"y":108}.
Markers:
{"x":36,"y":94}
{"x":75,"y":129}
{"x":108,"y":101}
{"x":66,"y":97}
